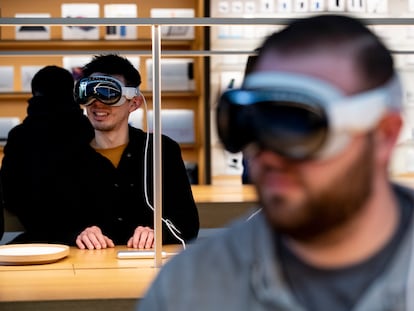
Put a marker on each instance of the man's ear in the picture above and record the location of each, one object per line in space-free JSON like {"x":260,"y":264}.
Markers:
{"x":135,"y":103}
{"x":386,"y":137}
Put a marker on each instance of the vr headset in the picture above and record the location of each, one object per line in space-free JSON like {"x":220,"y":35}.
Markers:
{"x":297,"y":116}
{"x":106,"y":89}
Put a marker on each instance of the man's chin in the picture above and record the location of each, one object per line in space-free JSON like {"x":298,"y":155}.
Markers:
{"x":291,"y":221}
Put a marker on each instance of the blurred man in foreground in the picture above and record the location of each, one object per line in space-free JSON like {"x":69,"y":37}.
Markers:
{"x":318,"y":118}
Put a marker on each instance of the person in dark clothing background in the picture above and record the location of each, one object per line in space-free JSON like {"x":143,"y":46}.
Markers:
{"x":41,"y":158}
{"x":119,"y":179}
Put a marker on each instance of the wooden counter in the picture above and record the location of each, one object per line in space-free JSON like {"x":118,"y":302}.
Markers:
{"x":407,"y":181}
{"x":224,"y":194}
{"x":87,"y":279}
{"x":218,"y":205}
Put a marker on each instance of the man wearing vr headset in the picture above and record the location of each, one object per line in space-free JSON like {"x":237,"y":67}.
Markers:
{"x":118,"y":165}
{"x":318,"y":118}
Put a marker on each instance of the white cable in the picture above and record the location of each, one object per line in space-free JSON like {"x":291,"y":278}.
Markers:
{"x":254,"y":214}
{"x":167,"y":222}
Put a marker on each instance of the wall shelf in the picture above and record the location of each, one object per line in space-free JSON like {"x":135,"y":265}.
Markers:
{"x":8,"y":46}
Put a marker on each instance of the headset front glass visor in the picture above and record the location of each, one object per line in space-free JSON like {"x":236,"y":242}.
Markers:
{"x":105,"y":89}
{"x":296,"y":116}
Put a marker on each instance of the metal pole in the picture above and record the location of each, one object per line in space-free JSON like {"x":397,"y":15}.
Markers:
{"x":157,"y":152}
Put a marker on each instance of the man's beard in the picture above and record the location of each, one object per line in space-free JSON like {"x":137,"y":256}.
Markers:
{"x":330,"y":208}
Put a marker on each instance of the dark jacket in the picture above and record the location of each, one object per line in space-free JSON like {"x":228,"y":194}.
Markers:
{"x":117,"y":194}
{"x":38,"y":176}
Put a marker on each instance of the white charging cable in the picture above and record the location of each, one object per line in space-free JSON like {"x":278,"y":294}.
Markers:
{"x":254,"y":214}
{"x":167,"y":222}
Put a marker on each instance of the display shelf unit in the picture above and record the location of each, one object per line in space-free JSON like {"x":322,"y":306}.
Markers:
{"x":19,"y":53}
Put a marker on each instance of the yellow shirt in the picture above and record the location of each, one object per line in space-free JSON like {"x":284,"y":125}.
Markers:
{"x":113,"y":154}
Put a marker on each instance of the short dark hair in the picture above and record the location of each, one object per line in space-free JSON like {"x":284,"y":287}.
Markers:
{"x":52,"y":81}
{"x":113,"y":64}
{"x":371,"y":56}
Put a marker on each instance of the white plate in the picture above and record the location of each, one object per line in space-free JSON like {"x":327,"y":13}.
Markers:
{"x":37,"y":253}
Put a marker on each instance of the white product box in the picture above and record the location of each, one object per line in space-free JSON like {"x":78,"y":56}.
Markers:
{"x":176,"y":74}
{"x":27,"y":74}
{"x":177,"y":124}
{"x":7,"y":79}
{"x":80,"y":10}
{"x":119,"y":32}
{"x":32,"y":32}
{"x":175,"y":32}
